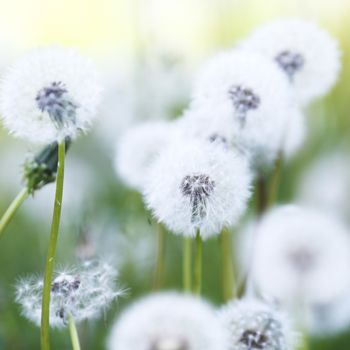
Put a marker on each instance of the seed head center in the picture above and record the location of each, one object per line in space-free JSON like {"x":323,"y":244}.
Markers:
{"x":290,"y":62}
{"x":244,"y":100}
{"x":55,"y":100}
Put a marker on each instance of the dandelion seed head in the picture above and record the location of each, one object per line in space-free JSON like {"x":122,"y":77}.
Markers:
{"x":324,"y":184}
{"x":137,"y":149}
{"x":168,"y":321}
{"x":306,"y":53}
{"x":49,"y":94}
{"x":84,"y":292}
{"x":254,"y":325}
{"x":189,"y":188}
{"x":296,"y":250}
{"x":248,"y":92}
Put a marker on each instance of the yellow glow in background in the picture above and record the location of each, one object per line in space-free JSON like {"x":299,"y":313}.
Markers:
{"x":191,"y":27}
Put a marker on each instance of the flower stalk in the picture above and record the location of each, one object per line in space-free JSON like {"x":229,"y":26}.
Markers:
{"x":45,"y":312}
{"x":160,"y":263}
{"x":198,"y":265}
{"x":73,"y":333}
{"x":11,"y":210}
{"x":187,"y":263}
{"x":227,"y":265}
{"x":275,"y":180}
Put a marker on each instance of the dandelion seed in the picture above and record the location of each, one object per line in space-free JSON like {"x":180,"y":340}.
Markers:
{"x":168,"y":321}
{"x":306,"y":53}
{"x":83,"y":293}
{"x":195,"y":185}
{"x":50,"y":94}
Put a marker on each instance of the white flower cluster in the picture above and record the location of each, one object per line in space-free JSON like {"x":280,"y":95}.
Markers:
{"x":241,"y":102}
{"x":50,"y":94}
{"x":252,"y":324}
{"x":83,"y":293}
{"x":168,"y":321}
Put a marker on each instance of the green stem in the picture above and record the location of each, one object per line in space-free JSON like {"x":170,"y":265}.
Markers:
{"x":261,"y":195}
{"x":275,"y":181}
{"x":227,"y":261}
{"x":304,"y":342}
{"x":11,"y":210}
{"x":198,"y":265}
{"x":50,"y":259}
{"x":73,"y":333}
{"x":187,"y":262}
{"x":160,"y":263}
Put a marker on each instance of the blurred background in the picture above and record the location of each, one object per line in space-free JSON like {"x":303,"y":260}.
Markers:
{"x":148,"y":51}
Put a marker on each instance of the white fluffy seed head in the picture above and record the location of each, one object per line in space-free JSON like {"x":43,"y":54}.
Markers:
{"x":195,"y":185}
{"x":83,"y":293}
{"x":306,"y":53}
{"x":49,"y":94}
{"x":329,"y":318}
{"x":325,"y":184}
{"x":168,"y":321}
{"x":247,"y":90}
{"x":301,"y":255}
{"x":252,"y":324}
{"x":200,"y":123}
{"x":138,"y":148}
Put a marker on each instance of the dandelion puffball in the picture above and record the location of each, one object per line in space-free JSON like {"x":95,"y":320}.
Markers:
{"x":83,"y":293}
{"x":301,"y":255}
{"x":252,"y":324}
{"x":49,"y":94}
{"x":325,"y":184}
{"x":196,"y":185}
{"x":137,"y":149}
{"x":248,"y":91}
{"x":306,"y":53}
{"x":168,"y":321}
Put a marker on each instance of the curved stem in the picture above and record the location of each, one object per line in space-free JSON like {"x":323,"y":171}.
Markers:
{"x":198,"y":265}
{"x":227,"y":265}
{"x":11,"y":210}
{"x":50,"y":259}
{"x":73,"y":333}
{"x":160,"y":263}
{"x":187,"y":262}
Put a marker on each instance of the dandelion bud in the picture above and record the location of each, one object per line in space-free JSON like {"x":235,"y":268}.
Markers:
{"x":41,"y":169}
{"x":168,"y":321}
{"x":50,"y":94}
